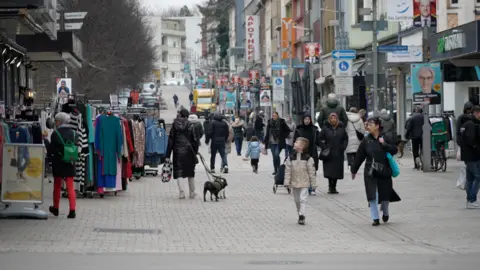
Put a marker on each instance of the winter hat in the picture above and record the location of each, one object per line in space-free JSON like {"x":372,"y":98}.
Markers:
{"x":184,"y":113}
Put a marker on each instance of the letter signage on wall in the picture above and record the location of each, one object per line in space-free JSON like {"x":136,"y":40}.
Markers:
{"x":252,"y":36}
{"x":451,"y":42}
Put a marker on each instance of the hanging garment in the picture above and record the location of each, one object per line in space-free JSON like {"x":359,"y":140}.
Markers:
{"x":118,"y":182}
{"x":106,"y":182}
{"x":19,"y":134}
{"x":108,"y":142}
{"x":37,"y":134}
{"x":139,"y":131}
{"x":76,"y":123}
{"x":156,"y":140}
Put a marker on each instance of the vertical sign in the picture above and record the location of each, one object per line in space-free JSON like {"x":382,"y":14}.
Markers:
{"x":252,"y":35}
{"x":425,"y":13}
{"x":287,"y":38}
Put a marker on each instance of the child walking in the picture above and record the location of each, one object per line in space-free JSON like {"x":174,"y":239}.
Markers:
{"x":253,"y":152}
{"x":300,"y":175}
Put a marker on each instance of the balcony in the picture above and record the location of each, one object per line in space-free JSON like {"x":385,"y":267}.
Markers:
{"x":172,"y":32}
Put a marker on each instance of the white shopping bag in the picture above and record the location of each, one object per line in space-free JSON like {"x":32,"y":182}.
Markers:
{"x":459,"y":156}
{"x":462,"y":179}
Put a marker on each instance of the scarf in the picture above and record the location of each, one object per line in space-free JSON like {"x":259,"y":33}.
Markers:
{"x":275,"y":128}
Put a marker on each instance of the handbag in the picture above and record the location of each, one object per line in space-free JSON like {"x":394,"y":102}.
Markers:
{"x":325,"y":154}
{"x":167,"y":171}
{"x":280,"y":176}
{"x":393,"y":165}
{"x":13,"y":162}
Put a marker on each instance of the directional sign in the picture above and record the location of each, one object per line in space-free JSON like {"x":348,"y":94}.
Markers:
{"x":344,"y":86}
{"x":344,"y":54}
{"x":343,"y":68}
{"x":278,"y":66}
{"x":71,"y":26}
{"x":392,"y":48}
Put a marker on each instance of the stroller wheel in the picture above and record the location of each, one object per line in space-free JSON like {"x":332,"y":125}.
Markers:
{"x":289,"y":190}
{"x":274,"y":189}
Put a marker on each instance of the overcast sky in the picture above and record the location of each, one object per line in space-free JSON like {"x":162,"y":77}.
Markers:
{"x":166,"y":4}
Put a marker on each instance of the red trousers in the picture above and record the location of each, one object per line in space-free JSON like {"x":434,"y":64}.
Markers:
{"x":57,"y":190}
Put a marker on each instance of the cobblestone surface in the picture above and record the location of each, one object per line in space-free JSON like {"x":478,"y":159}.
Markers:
{"x":431,"y":219}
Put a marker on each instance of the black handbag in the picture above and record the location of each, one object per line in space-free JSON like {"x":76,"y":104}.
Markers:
{"x":325,"y":154}
{"x":280,"y":176}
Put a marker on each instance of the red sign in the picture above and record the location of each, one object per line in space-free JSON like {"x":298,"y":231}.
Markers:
{"x":224,"y":79}
{"x":252,"y":35}
{"x":254,"y":74}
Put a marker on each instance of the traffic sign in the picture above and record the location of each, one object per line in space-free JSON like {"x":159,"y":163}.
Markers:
{"x":278,"y":66}
{"x":344,"y":86}
{"x":343,"y":68}
{"x":278,"y":83}
{"x":75,"y":15}
{"x":392,"y":48}
{"x":278,"y":89}
{"x":344,"y":54}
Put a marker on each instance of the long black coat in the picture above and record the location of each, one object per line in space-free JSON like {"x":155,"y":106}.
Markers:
{"x":55,"y":152}
{"x":336,"y":139}
{"x":181,"y":142}
{"x":371,"y":149}
{"x":311,"y":133}
{"x":284,"y":131}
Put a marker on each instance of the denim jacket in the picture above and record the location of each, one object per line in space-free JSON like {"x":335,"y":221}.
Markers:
{"x":156,"y":140}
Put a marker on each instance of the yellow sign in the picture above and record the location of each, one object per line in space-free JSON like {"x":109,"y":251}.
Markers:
{"x":22,"y":175}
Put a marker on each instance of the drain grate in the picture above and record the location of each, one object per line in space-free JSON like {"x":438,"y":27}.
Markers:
{"x":275,"y":262}
{"x":135,"y":231}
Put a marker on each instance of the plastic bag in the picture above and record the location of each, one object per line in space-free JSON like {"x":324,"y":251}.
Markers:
{"x":263,"y":149}
{"x":393,"y":165}
{"x":459,"y":156}
{"x":462,"y":178}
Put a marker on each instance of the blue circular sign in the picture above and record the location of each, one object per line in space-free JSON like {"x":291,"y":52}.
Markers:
{"x":278,"y":81}
{"x":343,"y":66}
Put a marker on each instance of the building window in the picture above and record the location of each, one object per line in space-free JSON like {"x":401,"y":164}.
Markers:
{"x":454,"y":3}
{"x":288,"y":10}
{"x":359,"y":17}
{"x":474,"y":95}
{"x":298,"y":9}
{"x":173,"y":74}
{"x":477,"y":3}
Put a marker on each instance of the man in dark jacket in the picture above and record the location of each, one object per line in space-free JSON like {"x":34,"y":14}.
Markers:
{"x":470,"y":151}
{"x":259,"y":125}
{"x":462,"y":119}
{"x":219,"y":132}
{"x":207,"y":127}
{"x":333,"y":106}
{"x":62,"y":170}
{"x":389,"y":128}
{"x":415,"y":133}
{"x":277,"y":132}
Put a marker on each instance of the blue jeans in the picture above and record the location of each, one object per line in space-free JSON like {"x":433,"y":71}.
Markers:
{"x":288,"y":150}
{"x":238,"y":145}
{"x":473,"y":180}
{"x":275,"y":148}
{"x":374,"y":208}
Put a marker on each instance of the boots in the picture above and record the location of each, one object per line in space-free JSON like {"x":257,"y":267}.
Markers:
{"x":332,"y":186}
{"x":53,"y":210}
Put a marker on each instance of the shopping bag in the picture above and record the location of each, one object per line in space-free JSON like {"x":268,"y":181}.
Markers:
{"x":459,"y":155}
{"x":393,"y":165}
{"x":263,"y":149}
{"x":13,"y":162}
{"x":462,"y":178}
{"x":167,"y":171}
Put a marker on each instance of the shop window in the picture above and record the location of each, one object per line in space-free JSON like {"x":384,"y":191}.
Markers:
{"x":359,"y":17}
{"x":474,"y":95}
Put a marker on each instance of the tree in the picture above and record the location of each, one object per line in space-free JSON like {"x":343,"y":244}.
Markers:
{"x":185,"y":12}
{"x":118,"y":48}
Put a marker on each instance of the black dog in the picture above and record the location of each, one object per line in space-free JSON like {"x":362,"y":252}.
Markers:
{"x":215,"y":187}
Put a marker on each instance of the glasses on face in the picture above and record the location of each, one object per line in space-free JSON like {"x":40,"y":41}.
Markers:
{"x":429,"y":78}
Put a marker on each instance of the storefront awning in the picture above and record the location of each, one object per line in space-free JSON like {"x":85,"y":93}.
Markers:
{"x":460,"y":44}
{"x":40,"y":48}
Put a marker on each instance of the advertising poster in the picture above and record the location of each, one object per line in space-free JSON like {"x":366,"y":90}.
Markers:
{"x":400,"y":10}
{"x":23,"y":169}
{"x":64,"y":88}
{"x":425,"y":13}
{"x":245,"y":82}
{"x":245,"y":102}
{"x":230,"y":98}
{"x":265,"y":83}
{"x":426,"y":83}
{"x":265,"y":98}
{"x":312,"y":53}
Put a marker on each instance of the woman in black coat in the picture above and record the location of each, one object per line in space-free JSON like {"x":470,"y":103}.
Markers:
{"x":377,"y":178}
{"x":62,"y":170}
{"x":277,"y":132}
{"x":333,"y":137}
{"x":182,"y":143}
{"x":309,"y":131}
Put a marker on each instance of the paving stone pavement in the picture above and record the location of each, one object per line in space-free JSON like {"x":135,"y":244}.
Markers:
{"x":429,"y":220}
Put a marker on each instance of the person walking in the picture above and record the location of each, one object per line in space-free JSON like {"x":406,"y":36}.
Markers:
{"x":277,"y":132}
{"x":333,"y":106}
{"x":356,"y":132}
{"x":300,"y":175}
{"x":238,"y":130}
{"x":175,"y":100}
{"x":249,"y":132}
{"x":196,"y":126}
{"x":333,"y":139}
{"x":253,"y":152}
{"x":415,"y":133}
{"x":219,"y":133}
{"x":389,"y":128}
{"x":207,"y":127}
{"x":470,"y":153}
{"x":228,"y":144}
{"x":259,"y":126}
{"x":62,"y":170}
{"x":377,"y":173}
{"x":184,"y":146}
{"x":310,"y":132}
{"x":290,"y":139}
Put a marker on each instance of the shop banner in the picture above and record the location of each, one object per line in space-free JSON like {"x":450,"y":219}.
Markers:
{"x":400,"y":10}
{"x":252,"y":36}
{"x":22,"y":175}
{"x":265,"y":98}
{"x":425,"y":13}
{"x":64,"y":88}
{"x":426,"y":83}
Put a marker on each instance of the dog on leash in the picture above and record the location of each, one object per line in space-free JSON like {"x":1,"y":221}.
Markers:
{"x":400,"y":146}
{"x":215,"y":187}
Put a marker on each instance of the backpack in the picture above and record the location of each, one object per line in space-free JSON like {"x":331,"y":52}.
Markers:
{"x":70,"y":150}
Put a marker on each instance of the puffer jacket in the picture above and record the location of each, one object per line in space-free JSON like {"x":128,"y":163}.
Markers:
{"x":333,"y":106}
{"x":388,"y":126}
{"x":355,"y":123}
{"x":300,"y":171}
{"x":238,"y":129}
{"x":253,"y":150}
{"x":218,"y":131}
{"x":181,"y":142}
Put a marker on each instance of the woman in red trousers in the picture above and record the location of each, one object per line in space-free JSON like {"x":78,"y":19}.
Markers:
{"x":62,"y":170}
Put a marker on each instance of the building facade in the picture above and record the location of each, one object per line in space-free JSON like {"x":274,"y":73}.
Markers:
{"x":173,"y":45}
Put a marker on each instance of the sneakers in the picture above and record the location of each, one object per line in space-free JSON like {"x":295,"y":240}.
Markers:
{"x":385,"y":218}
{"x":301,"y":220}
{"x":313,"y":193}
{"x":418,"y":163}
{"x":181,"y":196}
{"x":376,"y":222}
{"x":224,"y":169}
{"x":192,"y":195}
{"x":212,"y":170}
{"x":473,"y":205}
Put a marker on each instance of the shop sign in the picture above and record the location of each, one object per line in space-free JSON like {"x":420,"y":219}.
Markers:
{"x":451,"y":42}
{"x":252,"y":46}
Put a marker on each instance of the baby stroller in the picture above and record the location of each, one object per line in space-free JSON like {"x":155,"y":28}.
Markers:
{"x":279,"y":179}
